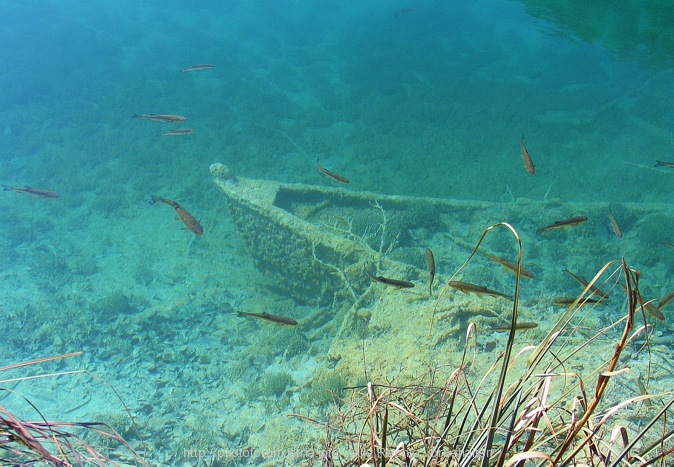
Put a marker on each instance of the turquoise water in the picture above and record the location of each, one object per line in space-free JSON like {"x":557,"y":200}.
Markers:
{"x":428,"y":102}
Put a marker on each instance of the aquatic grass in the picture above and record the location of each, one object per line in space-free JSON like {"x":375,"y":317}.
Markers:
{"x":270,"y":385}
{"x":57,"y":443}
{"x":547,"y":404}
{"x":324,"y":389}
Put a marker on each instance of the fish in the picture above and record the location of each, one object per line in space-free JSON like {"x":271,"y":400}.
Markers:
{"x":179,"y":131}
{"x":404,"y":10}
{"x":467,"y":287}
{"x":584,"y":283}
{"x":666,"y":298}
{"x":518,"y":327}
{"x":190,"y":222}
{"x":654,"y":311}
{"x":664,"y":164}
{"x":570,"y":222}
{"x":430,"y":261}
{"x":329,"y":173}
{"x":510,"y":265}
{"x":392,"y":282}
{"x":201,"y":66}
{"x":614,"y":223}
{"x":582,"y":301}
{"x":273,"y":318}
{"x":29,"y":190}
{"x":165,"y":118}
{"x":643,"y":390}
{"x":528,"y":164}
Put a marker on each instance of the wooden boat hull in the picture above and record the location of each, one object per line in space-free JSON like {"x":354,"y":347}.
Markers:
{"x":317,"y":242}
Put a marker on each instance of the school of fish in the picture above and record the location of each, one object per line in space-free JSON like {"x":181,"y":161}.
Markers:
{"x":192,"y":224}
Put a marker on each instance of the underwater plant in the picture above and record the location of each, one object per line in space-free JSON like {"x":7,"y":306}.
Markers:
{"x":270,"y":384}
{"x":112,"y":304}
{"x":549,"y":404}
{"x":324,"y":389}
{"x":43,"y":442}
{"x":286,"y":340}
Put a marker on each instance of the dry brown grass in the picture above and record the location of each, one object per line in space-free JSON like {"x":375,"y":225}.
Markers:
{"x":42,"y":442}
{"x":540,"y":405}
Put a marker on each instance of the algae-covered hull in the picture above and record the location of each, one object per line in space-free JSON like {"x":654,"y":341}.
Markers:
{"x":319,"y":241}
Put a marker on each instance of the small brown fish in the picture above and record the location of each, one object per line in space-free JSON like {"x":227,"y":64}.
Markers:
{"x":161,"y":117}
{"x":614,"y":223}
{"x":404,"y":10}
{"x":666,"y":298}
{"x":190,"y":222}
{"x":430,"y":261}
{"x":510,"y":266}
{"x":570,"y":222}
{"x":201,"y":66}
{"x":29,"y":190}
{"x":569,"y":300}
{"x":664,"y":164}
{"x":392,"y":282}
{"x":467,"y":287}
{"x":273,"y":318}
{"x":641,"y":384}
{"x":528,"y":164}
{"x":179,"y":131}
{"x":654,"y":311}
{"x":518,"y":327}
{"x":584,"y":283}
{"x":329,"y":173}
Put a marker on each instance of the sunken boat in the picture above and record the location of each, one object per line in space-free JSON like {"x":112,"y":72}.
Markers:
{"x":317,"y":241}
{"x":320,"y":245}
